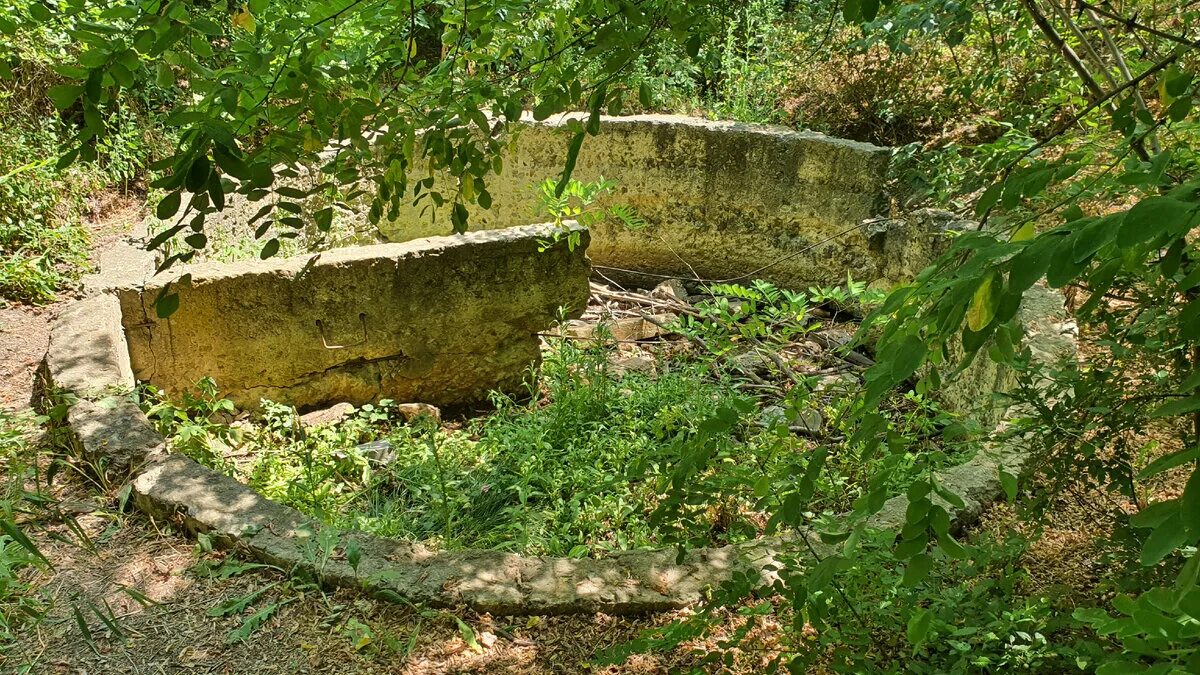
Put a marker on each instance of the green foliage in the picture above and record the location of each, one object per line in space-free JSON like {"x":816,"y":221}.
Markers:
{"x":42,"y":249}
{"x":43,"y":244}
{"x":575,"y":201}
{"x":597,"y":460}
{"x":20,"y":604}
{"x":964,"y":615}
{"x":194,"y":425}
{"x":270,"y":86}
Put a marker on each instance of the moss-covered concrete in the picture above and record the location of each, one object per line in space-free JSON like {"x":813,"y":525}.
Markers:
{"x":439,"y":320}
{"x":719,"y":198}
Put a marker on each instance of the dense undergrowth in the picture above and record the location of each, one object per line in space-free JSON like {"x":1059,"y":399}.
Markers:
{"x":577,"y":465}
{"x":43,"y":238}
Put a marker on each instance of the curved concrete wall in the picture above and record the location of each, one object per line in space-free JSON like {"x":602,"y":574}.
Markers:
{"x":440,"y":320}
{"x":721,"y":199}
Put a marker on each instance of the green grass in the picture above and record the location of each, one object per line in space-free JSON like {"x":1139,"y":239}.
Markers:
{"x":20,"y":603}
{"x":582,"y":467}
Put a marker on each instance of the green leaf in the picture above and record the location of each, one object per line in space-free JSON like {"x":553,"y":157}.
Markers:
{"x":24,"y":542}
{"x":81,"y":623}
{"x":168,"y":206}
{"x":1163,"y":540}
{"x":909,"y":356}
{"x":1189,"y":505}
{"x":544,"y":110}
{"x":269,"y":249}
{"x":167,"y":305}
{"x":254,"y":622}
{"x":1024,"y":233}
{"x":1009,"y":483}
{"x":869,"y":9}
{"x":468,"y":636}
{"x":1153,"y":216}
{"x":1155,"y":514}
{"x":762,"y":487}
{"x":1027,"y":266}
{"x":324,"y":218}
{"x":40,"y":12}
{"x":918,"y":626}
{"x":1190,"y":603}
{"x":230,"y":164}
{"x":1180,"y":108}
{"x":1168,"y":462}
{"x":821,"y":575}
{"x":458,"y":218}
{"x":644,"y":95}
{"x":597,"y":104}
{"x":572,"y":156}
{"x":1094,"y":236}
{"x":64,"y":95}
{"x":1180,"y":406}
{"x":163,"y":75}
{"x":988,"y":199}
{"x":918,"y":568}
{"x":951,"y":547}
{"x":983,"y":304}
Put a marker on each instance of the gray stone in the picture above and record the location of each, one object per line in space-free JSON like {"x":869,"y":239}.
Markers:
{"x":113,"y":436}
{"x":838,"y":383}
{"x":631,"y":363}
{"x":331,"y":415}
{"x":411,"y":412}
{"x":807,"y":421}
{"x":88,"y":355}
{"x":671,"y":289}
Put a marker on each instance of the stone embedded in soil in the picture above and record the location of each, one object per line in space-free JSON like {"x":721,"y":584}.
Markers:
{"x":331,"y":415}
{"x":411,"y":412}
{"x":625,"y":329}
{"x":839,"y":382}
{"x":807,"y":421}
{"x":88,"y":354}
{"x":378,"y":452}
{"x":631,"y":363}
{"x":671,"y":289}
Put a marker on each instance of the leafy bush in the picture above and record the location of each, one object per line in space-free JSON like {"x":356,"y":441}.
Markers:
{"x":43,"y":247}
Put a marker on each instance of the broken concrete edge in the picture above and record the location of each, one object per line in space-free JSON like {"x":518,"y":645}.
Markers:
{"x":86,"y":367}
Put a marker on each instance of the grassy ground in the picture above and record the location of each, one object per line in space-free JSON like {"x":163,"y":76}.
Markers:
{"x":583,"y":462}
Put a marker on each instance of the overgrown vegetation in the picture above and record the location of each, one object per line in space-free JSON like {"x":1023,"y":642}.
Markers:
{"x":1069,"y":129}
{"x":43,"y":241}
{"x":581,"y":462}
{"x":20,"y":605}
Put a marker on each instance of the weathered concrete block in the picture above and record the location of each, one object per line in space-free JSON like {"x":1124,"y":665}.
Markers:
{"x":113,"y":435}
{"x":88,"y":355}
{"x":442,"y":320}
{"x":719,"y":198}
